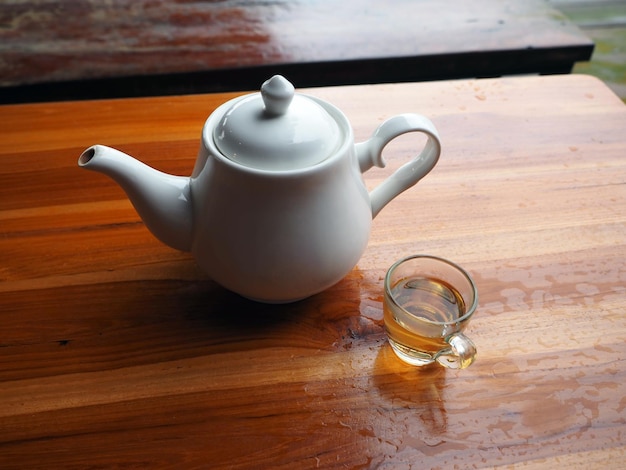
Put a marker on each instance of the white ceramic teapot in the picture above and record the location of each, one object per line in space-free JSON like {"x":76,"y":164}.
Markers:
{"x":276,"y":208}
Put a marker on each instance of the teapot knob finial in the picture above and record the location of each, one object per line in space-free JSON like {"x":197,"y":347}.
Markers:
{"x":277,"y":93}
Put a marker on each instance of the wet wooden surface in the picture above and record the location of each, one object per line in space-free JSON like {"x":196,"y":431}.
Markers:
{"x":116,"y":352}
{"x":86,"y":49}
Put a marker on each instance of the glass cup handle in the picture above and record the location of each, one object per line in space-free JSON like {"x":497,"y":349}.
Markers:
{"x":369,"y":154}
{"x":459,"y":355}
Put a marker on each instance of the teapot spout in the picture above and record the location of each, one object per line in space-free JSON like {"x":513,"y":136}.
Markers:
{"x":162,"y":201}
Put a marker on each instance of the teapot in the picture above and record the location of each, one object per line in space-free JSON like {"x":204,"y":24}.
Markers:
{"x":275,"y":208}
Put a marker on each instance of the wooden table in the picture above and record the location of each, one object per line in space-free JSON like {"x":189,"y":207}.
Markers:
{"x":83,"y":49}
{"x":116,"y":352}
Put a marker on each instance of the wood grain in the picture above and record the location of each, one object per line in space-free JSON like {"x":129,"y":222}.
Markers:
{"x":81,"y":48}
{"x":116,"y":352}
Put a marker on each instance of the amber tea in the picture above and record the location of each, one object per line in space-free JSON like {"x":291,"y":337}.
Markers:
{"x":428,"y":302}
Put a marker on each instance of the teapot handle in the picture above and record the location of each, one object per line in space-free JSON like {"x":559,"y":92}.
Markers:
{"x":369,"y":154}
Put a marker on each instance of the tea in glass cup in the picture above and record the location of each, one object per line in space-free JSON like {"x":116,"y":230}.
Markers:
{"x":428,"y":302}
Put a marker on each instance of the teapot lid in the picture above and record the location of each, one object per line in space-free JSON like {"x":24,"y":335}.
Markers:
{"x":277,"y":130}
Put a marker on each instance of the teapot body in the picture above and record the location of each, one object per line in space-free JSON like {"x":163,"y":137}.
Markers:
{"x":275,"y":209}
{"x":279,"y":236}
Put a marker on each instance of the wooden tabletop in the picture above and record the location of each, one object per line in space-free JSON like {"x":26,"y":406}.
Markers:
{"x":83,"y":49}
{"x":116,"y":352}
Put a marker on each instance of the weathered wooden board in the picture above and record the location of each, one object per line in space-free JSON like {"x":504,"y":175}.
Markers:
{"x":115,"y":352}
{"x":83,"y":49}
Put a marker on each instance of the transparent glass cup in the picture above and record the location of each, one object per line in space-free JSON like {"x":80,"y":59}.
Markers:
{"x":428,"y":302}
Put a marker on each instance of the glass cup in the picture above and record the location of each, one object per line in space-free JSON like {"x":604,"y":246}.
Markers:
{"x":428,"y":302}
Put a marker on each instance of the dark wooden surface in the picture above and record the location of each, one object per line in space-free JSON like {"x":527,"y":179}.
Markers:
{"x":82,"y":49}
{"x":116,"y":352}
